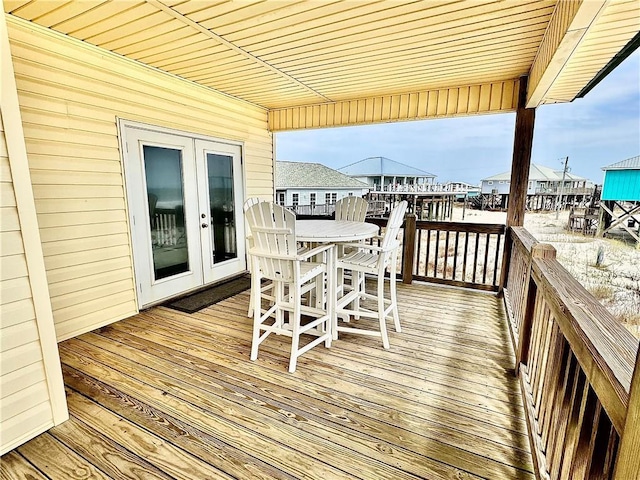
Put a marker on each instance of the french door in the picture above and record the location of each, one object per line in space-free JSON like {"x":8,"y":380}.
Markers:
{"x":185,"y":199}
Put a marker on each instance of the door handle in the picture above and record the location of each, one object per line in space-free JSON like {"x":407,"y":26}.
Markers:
{"x":205,"y":225}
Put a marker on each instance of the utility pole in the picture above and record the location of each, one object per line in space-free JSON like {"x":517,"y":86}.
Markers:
{"x":559,"y":197}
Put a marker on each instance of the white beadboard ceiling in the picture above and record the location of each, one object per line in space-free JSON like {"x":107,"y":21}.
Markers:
{"x":286,"y":54}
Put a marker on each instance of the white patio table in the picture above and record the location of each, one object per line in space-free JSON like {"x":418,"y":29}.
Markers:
{"x":334,"y":231}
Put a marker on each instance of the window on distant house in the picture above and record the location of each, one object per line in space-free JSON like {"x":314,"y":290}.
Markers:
{"x":490,"y":182}
{"x":327,"y":198}
{"x":351,"y":194}
{"x":295,"y":199}
{"x":334,"y":198}
{"x":312,"y":200}
{"x":280,"y":198}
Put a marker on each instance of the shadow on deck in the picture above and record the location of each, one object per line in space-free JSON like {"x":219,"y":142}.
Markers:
{"x":166,"y":394}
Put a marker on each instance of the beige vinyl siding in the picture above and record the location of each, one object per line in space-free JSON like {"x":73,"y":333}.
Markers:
{"x":71,"y":95}
{"x":25,"y":406}
{"x":495,"y":97}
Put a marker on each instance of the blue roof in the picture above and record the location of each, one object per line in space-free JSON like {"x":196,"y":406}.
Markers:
{"x":378,"y":166}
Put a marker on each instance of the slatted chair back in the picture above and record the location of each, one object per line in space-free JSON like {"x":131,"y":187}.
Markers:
{"x":250,"y":202}
{"x":351,"y":208}
{"x":267,"y":287}
{"x":396,"y":217}
{"x":273,"y":230}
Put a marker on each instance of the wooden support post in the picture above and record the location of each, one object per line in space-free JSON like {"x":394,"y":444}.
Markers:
{"x":606,"y":207}
{"x":464,"y":206}
{"x":409,"y":248}
{"x":520,"y":164}
{"x":628,"y":464}
{"x":521,"y":160}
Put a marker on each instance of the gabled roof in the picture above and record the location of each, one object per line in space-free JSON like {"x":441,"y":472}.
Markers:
{"x":312,"y":175}
{"x":632,"y":163}
{"x":377,"y":166}
{"x":539,"y":173}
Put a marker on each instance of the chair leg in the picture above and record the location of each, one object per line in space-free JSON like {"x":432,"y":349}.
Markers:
{"x":330,"y":281}
{"x":251,"y":295}
{"x":360,"y":284}
{"x":381,"y":316}
{"x":255,"y":284}
{"x":394,"y":296}
{"x":278,"y":293}
{"x":295,"y":332}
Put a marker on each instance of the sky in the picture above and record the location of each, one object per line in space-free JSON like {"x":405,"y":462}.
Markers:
{"x":600,"y":129}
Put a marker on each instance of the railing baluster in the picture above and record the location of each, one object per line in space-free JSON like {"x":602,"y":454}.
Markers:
{"x":555,"y":344}
{"x":541,"y":354}
{"x":426,"y":261}
{"x":588,"y":424}
{"x":486,"y":259}
{"x":475,"y":258}
{"x":544,"y":356}
{"x":574,"y":384}
{"x":446,"y":255}
{"x":582,"y":405}
{"x":497,"y":258}
{"x":464,"y":256}
{"x":436,"y":254}
{"x":455,"y":257}
{"x":539,"y":321}
{"x":555,"y":388}
{"x":609,"y":461}
{"x":418,"y":252}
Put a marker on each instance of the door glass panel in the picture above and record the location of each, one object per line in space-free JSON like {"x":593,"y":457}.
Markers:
{"x":221,"y":199}
{"x":165,"y":195}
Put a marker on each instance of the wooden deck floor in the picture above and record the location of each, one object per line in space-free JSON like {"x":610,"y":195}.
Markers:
{"x":170,"y":395}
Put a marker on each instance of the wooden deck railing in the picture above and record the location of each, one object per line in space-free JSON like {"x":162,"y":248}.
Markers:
{"x":459,"y":254}
{"x":575,"y":363}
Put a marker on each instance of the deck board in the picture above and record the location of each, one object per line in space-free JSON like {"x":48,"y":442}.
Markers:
{"x":165,"y":394}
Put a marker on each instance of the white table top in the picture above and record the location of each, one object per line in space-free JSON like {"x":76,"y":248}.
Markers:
{"x":334,"y":231}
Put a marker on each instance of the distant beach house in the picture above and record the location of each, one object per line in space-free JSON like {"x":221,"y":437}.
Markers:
{"x":461,"y":187}
{"x":301,"y":184}
{"x":622,"y":181}
{"x":621,"y":197}
{"x":384,"y":174}
{"x":542,"y":181}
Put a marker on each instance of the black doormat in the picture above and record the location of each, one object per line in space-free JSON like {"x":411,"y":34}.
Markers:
{"x":204,"y":298}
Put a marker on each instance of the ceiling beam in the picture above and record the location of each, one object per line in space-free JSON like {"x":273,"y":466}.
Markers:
{"x":570,"y":22}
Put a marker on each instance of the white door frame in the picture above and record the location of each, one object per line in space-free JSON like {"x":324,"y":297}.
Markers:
{"x":135,"y":189}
